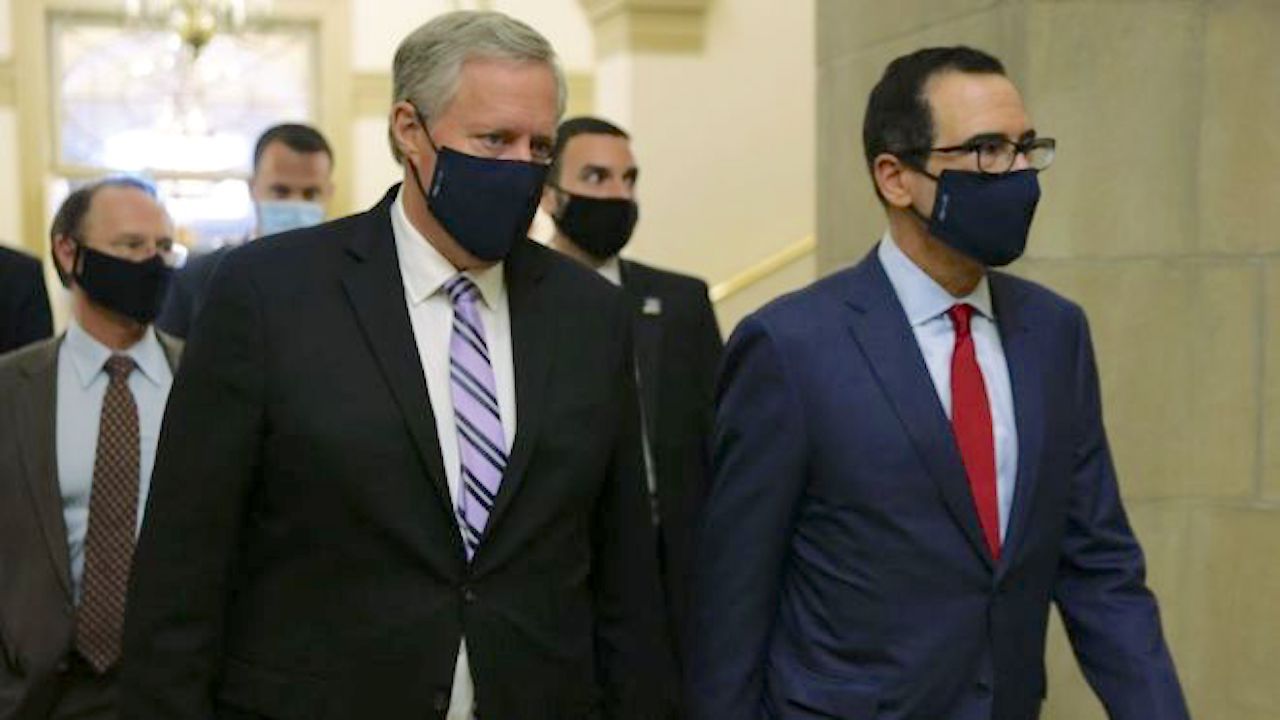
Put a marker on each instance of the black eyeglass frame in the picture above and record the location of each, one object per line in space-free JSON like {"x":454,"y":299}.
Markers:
{"x":1023,"y":147}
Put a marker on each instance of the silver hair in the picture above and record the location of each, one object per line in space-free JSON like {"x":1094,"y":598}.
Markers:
{"x":428,"y":63}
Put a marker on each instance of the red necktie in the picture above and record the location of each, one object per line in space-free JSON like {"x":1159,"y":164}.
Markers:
{"x":971,"y":422}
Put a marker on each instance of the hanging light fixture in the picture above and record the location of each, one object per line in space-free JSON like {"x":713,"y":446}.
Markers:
{"x":196,"y":22}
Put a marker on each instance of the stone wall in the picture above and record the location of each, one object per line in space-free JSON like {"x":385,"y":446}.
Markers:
{"x":1162,"y":218}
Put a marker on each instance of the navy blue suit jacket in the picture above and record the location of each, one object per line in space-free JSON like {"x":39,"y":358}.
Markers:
{"x":841,"y":570}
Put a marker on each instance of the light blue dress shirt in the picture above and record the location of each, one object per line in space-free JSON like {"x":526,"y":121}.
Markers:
{"x":926,"y":304}
{"x":82,"y":386}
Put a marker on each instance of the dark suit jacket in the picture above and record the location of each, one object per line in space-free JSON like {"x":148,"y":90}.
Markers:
{"x":36,"y":610}
{"x":187,"y":293}
{"x":678,"y":349}
{"x":24,"y":302}
{"x":301,"y":557}
{"x":843,"y":572}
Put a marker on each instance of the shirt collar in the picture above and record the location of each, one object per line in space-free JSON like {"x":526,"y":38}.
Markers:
{"x":611,"y":270}
{"x":425,"y":270}
{"x":88,"y":356}
{"x":921,"y":296}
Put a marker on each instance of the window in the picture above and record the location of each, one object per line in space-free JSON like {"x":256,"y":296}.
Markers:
{"x":137,"y":100}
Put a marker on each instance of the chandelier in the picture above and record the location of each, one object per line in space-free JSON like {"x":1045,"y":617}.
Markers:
{"x":196,"y":22}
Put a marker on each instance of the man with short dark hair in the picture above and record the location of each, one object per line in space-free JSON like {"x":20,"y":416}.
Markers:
{"x":291,"y":187}
{"x":79,"y":423}
{"x":25,"y":316}
{"x":591,"y":196}
{"x":910,"y":459}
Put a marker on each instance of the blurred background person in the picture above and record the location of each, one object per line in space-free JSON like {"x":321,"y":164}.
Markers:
{"x":591,"y":196}
{"x":25,"y":316}
{"x":81,"y":417}
{"x":291,"y":186}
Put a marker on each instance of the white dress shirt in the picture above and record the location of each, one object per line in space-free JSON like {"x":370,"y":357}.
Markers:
{"x":82,"y":387}
{"x":611,"y":270}
{"x":926,"y":304}
{"x":425,"y":271}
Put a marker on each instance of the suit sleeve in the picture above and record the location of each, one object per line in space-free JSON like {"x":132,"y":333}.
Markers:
{"x":634,"y":657}
{"x":205,"y":468}
{"x":758,"y":473}
{"x":1110,"y":615}
{"x":35,"y":319}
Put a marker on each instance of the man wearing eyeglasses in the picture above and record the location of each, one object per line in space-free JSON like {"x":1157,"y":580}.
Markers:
{"x":910,"y":460}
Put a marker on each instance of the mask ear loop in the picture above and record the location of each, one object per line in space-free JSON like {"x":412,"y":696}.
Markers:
{"x":417,"y":176}
{"x":563,"y":197}
{"x":77,"y":260}
{"x":917,"y":167}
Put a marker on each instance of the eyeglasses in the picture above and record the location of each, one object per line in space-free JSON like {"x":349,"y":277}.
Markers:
{"x":997,"y":155}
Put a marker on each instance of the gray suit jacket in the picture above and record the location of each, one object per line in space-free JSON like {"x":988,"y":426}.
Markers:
{"x":36,"y":610}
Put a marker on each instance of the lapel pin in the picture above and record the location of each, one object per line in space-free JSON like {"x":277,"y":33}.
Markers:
{"x":652,"y":306}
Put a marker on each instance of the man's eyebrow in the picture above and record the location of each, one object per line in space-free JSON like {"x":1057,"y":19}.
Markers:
{"x":594,"y":169}
{"x":984,"y":136}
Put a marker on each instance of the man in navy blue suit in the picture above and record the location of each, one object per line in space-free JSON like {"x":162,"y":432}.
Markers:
{"x":910,"y":461}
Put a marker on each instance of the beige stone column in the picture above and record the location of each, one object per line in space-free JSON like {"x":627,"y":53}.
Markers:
{"x":1161,"y":218}
{"x":718,"y":98}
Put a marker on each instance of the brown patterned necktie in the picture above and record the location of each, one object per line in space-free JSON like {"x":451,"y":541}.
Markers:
{"x":113,"y":513}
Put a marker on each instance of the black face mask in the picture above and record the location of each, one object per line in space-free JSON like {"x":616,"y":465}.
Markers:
{"x":986,"y":217}
{"x":485,"y":204}
{"x":600,"y":226}
{"x":133,"y":289}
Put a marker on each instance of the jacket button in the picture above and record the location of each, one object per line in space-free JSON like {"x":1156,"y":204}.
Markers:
{"x":468,"y":594}
{"x":63,"y":667}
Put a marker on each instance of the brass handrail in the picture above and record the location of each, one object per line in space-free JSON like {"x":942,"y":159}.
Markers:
{"x":763,"y":269}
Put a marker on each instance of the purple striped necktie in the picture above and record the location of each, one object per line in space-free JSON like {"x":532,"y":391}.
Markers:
{"x":481,"y":441}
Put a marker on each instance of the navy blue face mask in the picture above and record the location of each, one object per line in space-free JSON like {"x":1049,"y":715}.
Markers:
{"x":484,"y":203}
{"x":986,"y":217}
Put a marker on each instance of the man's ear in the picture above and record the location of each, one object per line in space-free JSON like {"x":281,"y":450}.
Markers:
{"x":890,"y":176}
{"x":64,"y":254}
{"x":407,"y":131}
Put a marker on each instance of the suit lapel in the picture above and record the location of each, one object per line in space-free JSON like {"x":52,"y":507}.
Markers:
{"x":172,"y":350}
{"x":376,"y":292}
{"x":648,"y":344}
{"x":533,"y":343}
{"x":1018,"y":338}
{"x":37,"y":435}
{"x":880,"y":327}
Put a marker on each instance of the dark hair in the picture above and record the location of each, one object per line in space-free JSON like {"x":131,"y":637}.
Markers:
{"x":573,"y":127}
{"x":899,"y":120}
{"x":298,"y":138}
{"x":69,"y":220}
